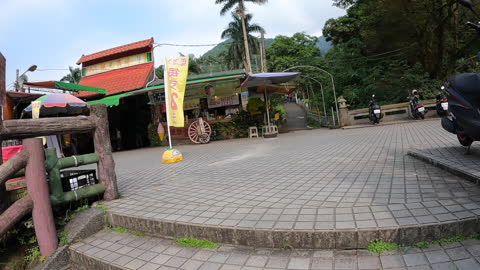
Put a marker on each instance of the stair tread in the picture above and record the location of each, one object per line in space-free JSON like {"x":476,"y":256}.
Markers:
{"x":114,"y":250}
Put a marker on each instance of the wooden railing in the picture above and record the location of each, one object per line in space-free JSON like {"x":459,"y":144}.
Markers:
{"x":32,"y":158}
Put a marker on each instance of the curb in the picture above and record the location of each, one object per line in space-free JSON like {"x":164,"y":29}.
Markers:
{"x":302,"y":239}
{"x":444,"y":165}
{"x":389,"y":123}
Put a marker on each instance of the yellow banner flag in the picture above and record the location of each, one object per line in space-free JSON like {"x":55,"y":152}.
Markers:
{"x":176,"y":71}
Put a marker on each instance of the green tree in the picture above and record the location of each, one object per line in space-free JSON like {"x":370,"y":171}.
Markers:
{"x":387,"y":48}
{"x":286,"y":52}
{"x":234,"y":33}
{"x":239,"y":6}
{"x":160,"y":72}
{"x":74,"y":76}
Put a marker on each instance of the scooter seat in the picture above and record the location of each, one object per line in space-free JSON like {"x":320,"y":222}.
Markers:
{"x":467,"y":83}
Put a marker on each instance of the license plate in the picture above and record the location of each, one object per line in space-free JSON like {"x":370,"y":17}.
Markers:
{"x":376,"y":111}
{"x":445,"y":106}
{"x":421,"y":109}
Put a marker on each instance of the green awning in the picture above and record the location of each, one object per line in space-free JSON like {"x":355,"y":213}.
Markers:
{"x":66,"y":86}
{"x":189,"y":82}
{"x":109,"y":101}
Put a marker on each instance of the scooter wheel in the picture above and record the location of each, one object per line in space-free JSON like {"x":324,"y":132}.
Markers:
{"x":465,"y":140}
{"x":422,"y":116}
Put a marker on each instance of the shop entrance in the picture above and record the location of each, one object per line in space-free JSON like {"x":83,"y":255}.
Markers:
{"x":129,"y":123}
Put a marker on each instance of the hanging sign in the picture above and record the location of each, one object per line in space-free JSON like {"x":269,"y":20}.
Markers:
{"x":222,"y":101}
{"x":123,"y":62}
{"x":177,"y":72}
{"x":244,"y":100}
{"x":191,"y":104}
{"x":36,"y":109}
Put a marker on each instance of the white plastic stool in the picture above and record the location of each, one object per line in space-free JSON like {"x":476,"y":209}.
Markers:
{"x":252,"y":132}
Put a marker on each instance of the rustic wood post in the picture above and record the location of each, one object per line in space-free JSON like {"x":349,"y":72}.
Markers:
{"x":36,"y":178}
{"x":15,"y":213}
{"x":103,"y":147}
{"x":3,"y":191}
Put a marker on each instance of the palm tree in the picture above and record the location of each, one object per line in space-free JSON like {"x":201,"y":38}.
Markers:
{"x":237,"y":52}
{"x":74,"y":76}
{"x":240,"y":10}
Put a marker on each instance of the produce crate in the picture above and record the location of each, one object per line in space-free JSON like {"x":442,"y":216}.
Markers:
{"x":76,"y":179}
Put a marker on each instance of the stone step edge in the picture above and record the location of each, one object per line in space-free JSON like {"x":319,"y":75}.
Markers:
{"x":304,"y":239}
{"x":444,"y":166}
{"x":90,"y":262}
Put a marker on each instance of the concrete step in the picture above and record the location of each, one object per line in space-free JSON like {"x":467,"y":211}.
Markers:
{"x":112,"y":250}
{"x":353,"y":235}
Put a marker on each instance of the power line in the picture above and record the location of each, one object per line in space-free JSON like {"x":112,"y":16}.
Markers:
{"x":193,"y":45}
{"x":369,"y":56}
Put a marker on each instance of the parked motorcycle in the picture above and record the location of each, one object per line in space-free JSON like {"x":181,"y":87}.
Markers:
{"x":442,"y":104}
{"x":464,"y":100}
{"x":416,"y":108}
{"x":374,"y":111}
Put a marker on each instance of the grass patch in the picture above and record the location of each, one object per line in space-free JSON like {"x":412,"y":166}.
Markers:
{"x":125,"y":230}
{"x":448,"y":240}
{"x":102,"y":207}
{"x":192,"y":242}
{"x":378,"y":246}
{"x":119,"y":229}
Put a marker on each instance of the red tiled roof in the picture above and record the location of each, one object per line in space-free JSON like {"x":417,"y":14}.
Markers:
{"x":117,"y":50}
{"x":120,"y":80}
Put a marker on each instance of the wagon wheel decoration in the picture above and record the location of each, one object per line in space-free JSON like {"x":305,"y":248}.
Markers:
{"x":199,"y":131}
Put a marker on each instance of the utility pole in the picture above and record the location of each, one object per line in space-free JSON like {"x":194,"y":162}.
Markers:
{"x":17,"y":86}
{"x":263,"y":53}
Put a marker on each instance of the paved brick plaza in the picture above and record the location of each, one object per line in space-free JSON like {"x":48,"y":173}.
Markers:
{"x":321,"y":179}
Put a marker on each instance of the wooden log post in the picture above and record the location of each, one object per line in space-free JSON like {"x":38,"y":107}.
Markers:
{"x":10,"y":168}
{"x":15,"y":213}
{"x":3,"y":191}
{"x":103,"y":147}
{"x":29,"y":128}
{"x":36,"y":179}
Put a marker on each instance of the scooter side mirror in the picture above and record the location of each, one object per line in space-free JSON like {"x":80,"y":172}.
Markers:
{"x":466,"y":3}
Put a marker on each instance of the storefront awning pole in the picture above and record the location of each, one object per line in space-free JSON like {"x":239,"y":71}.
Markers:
{"x":165,"y":76}
{"x":266,"y":103}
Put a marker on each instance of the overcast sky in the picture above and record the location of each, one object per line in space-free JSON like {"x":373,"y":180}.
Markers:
{"x":53,"y":34}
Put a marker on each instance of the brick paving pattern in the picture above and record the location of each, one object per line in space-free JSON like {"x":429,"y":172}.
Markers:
{"x":112,"y":250}
{"x":307,"y":180}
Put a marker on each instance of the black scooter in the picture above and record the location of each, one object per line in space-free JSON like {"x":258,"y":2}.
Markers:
{"x":417,"y":109}
{"x":374,"y":111}
{"x":464,"y":101}
{"x":442,"y":104}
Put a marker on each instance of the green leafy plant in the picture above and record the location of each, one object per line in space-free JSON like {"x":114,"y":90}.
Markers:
{"x":193,"y":242}
{"x":153,"y":135}
{"x":63,"y":238}
{"x":255,"y":106}
{"x":378,"y":246}
{"x":34,"y":254}
{"x":82,"y":208}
